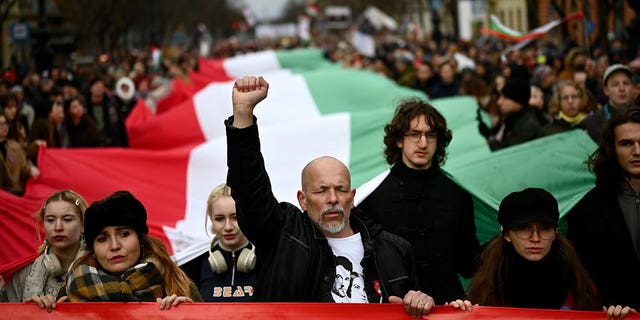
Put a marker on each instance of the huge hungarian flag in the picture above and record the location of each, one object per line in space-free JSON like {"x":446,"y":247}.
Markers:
{"x":314,"y":108}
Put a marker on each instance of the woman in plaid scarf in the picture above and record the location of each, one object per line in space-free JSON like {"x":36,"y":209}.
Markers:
{"x":123,"y":262}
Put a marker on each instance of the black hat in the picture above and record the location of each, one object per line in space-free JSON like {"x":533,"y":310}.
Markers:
{"x":528,"y":205}
{"x":518,"y":90}
{"x":119,"y":209}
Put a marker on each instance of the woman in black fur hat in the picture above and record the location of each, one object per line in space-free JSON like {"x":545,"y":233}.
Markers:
{"x":124,"y":263}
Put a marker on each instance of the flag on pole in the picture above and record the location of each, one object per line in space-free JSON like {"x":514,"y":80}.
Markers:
{"x":498,"y":29}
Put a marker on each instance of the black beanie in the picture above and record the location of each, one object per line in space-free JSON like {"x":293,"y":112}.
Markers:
{"x":528,"y":205}
{"x":518,"y":90}
{"x":119,"y":209}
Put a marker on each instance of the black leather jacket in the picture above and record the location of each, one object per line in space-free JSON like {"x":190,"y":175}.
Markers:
{"x":294,"y":260}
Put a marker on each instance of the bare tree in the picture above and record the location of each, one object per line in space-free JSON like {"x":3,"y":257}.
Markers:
{"x":100,"y":25}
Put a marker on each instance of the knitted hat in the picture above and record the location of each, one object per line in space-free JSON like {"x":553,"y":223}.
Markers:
{"x":518,"y":90}
{"x":119,"y":209}
{"x":528,"y":205}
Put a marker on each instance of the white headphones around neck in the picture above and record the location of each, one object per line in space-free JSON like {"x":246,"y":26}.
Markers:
{"x":245,"y":261}
{"x":52,"y":263}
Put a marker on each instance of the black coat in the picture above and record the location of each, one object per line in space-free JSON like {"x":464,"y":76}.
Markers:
{"x":595,"y":121}
{"x":558,"y":125}
{"x":294,"y":260}
{"x":520,"y":127}
{"x":600,"y":234}
{"x":437,"y":217}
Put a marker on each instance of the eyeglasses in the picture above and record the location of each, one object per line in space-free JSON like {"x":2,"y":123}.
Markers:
{"x":570,"y":97}
{"x":525,"y":231}
{"x":415,"y":136}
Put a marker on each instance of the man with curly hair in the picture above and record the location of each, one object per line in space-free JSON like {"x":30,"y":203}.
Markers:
{"x":419,"y":202}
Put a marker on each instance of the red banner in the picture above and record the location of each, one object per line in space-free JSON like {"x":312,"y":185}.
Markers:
{"x":281,"y":311}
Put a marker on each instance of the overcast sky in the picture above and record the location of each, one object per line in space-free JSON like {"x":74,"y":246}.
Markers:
{"x":266,"y":9}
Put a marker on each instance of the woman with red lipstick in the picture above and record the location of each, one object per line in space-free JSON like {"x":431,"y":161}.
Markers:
{"x":226,"y":272}
{"x":123,"y":262}
{"x":62,"y":217}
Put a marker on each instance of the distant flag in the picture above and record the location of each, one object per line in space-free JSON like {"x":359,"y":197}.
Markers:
{"x":370,"y":21}
{"x":312,"y":10}
{"x":249,"y":17}
{"x":500,"y":30}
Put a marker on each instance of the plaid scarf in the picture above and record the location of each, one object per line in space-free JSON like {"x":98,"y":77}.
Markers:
{"x":142,"y":283}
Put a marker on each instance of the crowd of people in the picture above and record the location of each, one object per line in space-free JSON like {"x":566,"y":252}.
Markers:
{"x":408,"y":242}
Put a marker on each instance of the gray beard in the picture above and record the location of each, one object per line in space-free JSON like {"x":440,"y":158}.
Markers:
{"x":334,"y":228}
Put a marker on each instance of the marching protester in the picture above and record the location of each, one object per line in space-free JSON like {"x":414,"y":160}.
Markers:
{"x":123,"y":263}
{"x":530,"y":264}
{"x":418,"y":202}
{"x":568,"y":106}
{"x":15,"y":169}
{"x":606,"y":220}
{"x":17,"y":123}
{"x":225,"y":273}
{"x":80,"y":128}
{"x":301,"y":248}
{"x":618,"y":87}
{"x":48,"y":132}
{"x":62,"y":216}
{"x":519,"y":122}
{"x":102,"y":108}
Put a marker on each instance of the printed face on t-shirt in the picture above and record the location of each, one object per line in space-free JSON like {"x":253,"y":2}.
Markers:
{"x":348,"y":286}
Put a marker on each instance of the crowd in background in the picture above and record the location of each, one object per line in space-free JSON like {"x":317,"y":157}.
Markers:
{"x":85,"y":104}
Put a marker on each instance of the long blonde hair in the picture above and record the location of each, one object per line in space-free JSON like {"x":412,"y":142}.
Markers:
{"x":556,"y":101}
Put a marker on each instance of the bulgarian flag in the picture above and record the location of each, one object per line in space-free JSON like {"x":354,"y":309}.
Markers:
{"x":500,"y":30}
{"x":314,"y":108}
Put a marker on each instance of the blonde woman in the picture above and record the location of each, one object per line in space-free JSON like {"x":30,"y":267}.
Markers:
{"x":62,"y":217}
{"x":226,"y":272}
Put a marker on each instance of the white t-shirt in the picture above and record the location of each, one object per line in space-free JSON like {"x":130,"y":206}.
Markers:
{"x":349,"y":284}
